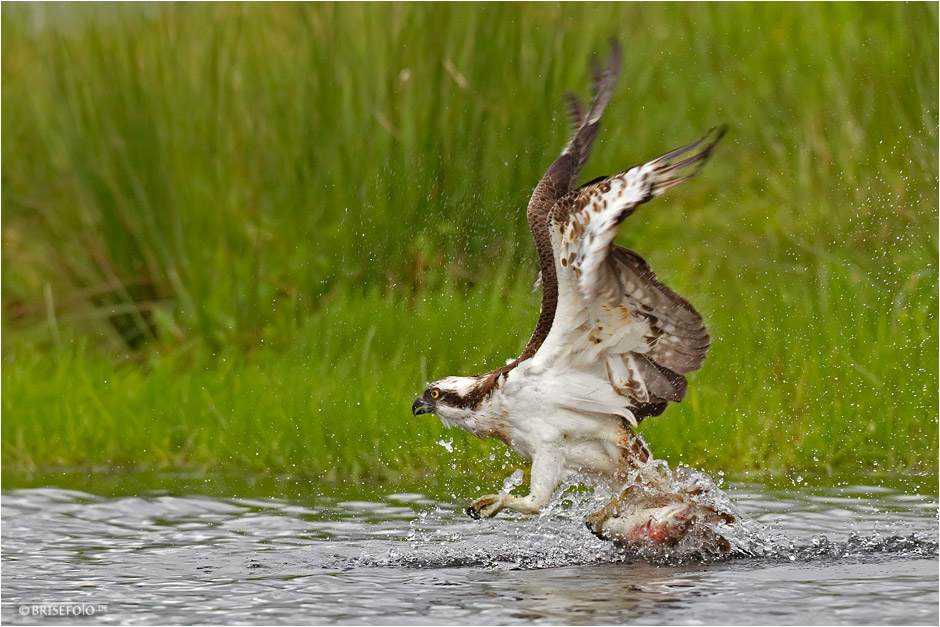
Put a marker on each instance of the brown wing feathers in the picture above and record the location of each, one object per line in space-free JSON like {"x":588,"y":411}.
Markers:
{"x":558,"y":181}
{"x":678,"y":339}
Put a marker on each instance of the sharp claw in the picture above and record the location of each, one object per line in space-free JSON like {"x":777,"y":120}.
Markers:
{"x":486,"y":506}
{"x":595,"y":530}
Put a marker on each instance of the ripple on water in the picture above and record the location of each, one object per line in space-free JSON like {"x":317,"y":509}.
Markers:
{"x":817,"y":555}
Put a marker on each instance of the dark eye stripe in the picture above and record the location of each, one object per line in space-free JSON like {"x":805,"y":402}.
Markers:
{"x":452,"y":399}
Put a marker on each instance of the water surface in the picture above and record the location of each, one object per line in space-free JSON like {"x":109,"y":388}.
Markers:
{"x":849,"y":555}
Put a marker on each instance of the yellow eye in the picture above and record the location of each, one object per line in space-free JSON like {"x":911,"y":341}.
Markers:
{"x":435,"y":394}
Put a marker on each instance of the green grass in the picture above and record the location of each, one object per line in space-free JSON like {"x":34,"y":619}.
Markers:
{"x":243,"y":237}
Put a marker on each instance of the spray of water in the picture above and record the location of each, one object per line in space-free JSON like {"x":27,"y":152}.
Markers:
{"x":558,"y":537}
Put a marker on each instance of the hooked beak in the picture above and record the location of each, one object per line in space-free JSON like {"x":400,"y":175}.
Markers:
{"x":421,"y":406}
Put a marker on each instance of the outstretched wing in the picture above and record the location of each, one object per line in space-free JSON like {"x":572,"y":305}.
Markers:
{"x":614,"y":320}
{"x":558,"y":181}
{"x":562,"y":174}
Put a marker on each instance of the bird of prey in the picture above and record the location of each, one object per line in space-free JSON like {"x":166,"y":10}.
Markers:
{"x":611,"y":346}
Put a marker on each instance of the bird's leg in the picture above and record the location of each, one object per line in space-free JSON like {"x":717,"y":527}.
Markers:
{"x":547,"y":472}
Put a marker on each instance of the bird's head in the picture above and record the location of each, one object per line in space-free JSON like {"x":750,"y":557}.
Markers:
{"x":451,"y":399}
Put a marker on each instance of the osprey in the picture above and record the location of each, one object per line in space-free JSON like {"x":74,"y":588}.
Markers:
{"x":611,"y":346}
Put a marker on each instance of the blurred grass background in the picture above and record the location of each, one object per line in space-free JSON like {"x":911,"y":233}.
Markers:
{"x":241,"y":237}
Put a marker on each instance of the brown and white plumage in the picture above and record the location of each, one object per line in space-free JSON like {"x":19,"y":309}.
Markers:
{"x":611,"y":345}
{"x":612,"y":312}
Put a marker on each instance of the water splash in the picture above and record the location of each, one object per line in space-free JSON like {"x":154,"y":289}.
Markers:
{"x":559,"y":537}
{"x":855,"y":546}
{"x":187,"y":558}
{"x":512,"y":481}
